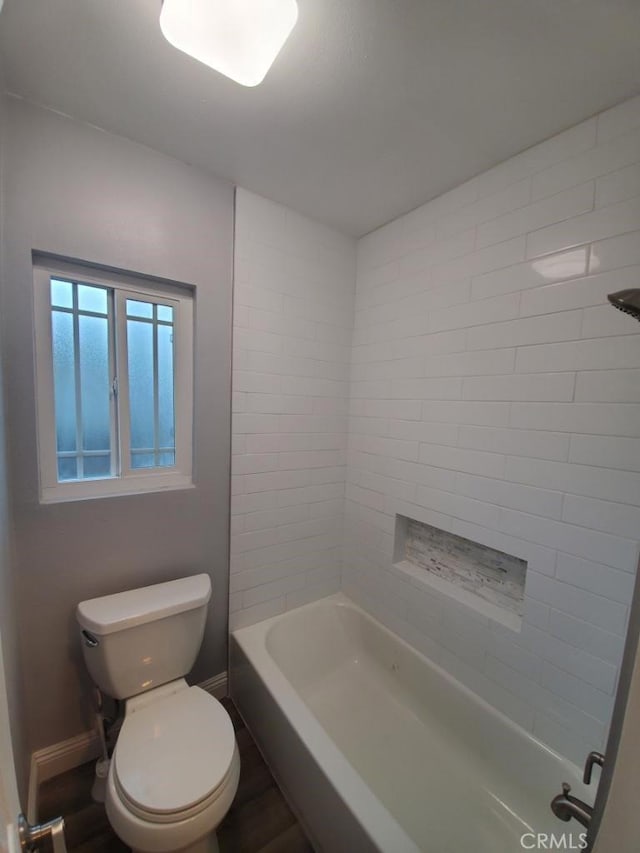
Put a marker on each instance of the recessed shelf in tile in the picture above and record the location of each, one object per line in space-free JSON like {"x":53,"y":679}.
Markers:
{"x":489,"y":581}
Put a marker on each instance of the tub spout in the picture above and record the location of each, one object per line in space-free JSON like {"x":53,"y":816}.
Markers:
{"x":565,"y":807}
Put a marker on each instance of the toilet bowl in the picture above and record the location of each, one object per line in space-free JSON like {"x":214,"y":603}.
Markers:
{"x":175,"y":767}
{"x":174,"y":771}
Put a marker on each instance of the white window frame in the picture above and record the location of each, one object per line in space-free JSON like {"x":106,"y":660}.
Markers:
{"x":125,"y":480}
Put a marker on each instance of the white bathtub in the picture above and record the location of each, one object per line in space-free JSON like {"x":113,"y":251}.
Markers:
{"x":378,"y":749}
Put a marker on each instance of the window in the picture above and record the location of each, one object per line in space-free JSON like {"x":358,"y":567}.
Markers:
{"x":114,"y":371}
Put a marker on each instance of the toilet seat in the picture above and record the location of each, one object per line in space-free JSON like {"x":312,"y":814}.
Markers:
{"x":174,"y":756}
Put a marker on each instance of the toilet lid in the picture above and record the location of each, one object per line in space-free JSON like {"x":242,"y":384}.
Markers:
{"x":174,"y":753}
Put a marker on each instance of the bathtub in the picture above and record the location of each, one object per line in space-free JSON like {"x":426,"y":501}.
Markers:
{"x":378,"y":749}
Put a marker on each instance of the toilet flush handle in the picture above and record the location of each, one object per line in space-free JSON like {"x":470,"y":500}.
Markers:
{"x":90,"y":640}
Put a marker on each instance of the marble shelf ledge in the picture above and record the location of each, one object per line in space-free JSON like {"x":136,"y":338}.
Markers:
{"x":421,"y":578}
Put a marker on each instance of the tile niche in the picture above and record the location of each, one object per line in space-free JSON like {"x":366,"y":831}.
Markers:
{"x":488,"y":581}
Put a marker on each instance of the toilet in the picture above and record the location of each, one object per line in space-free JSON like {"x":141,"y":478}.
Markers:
{"x":175,"y":767}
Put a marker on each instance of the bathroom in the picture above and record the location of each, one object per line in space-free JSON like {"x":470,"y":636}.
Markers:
{"x":394,"y":255}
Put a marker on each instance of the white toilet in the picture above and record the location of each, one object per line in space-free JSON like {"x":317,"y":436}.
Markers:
{"x":175,"y":768}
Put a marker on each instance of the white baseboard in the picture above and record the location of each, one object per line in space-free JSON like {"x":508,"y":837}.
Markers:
{"x":59,"y":757}
{"x":56,"y":759}
{"x":217,"y":685}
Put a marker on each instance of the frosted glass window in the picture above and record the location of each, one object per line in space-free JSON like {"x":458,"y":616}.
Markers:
{"x":114,"y":373}
{"x":92,"y":299}
{"x":61,"y":293}
{"x":150,"y":335}
{"x":139,"y":309}
{"x":82,"y":383}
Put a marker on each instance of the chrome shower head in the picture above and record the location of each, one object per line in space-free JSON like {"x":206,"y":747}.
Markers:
{"x":627,"y":301}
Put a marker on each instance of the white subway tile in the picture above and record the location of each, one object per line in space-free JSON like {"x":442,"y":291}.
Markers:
{"x":512,"y":495}
{"x":253,"y":463}
{"x":249,"y":423}
{"x":564,"y":739}
{"x":597,"y":225}
{"x":618,"y":185}
{"x":590,"y":418}
{"x":270,"y":591}
{"x":310,"y":459}
{"x":326,"y":476}
{"x":269,"y":321}
{"x":475,"y":313}
{"x":600,"y":160}
{"x":257,"y":297}
{"x":251,"y":615}
{"x":619,"y":251}
{"x":532,"y":330}
{"x":278,"y":404}
{"x":427,"y":389}
{"x":607,"y":451}
{"x":458,"y":506}
{"x":491,"y":361}
{"x":600,"y":612}
{"x":586,"y":480}
{"x":559,"y":148}
{"x":433,"y":433}
{"x":585,"y":635}
{"x":251,"y":340}
{"x":467,"y":412}
{"x":617,"y":518}
{"x":515,"y":442}
{"x":270,"y":518}
{"x":366,"y":497}
{"x":556,"y":208}
{"x":437,"y":253}
{"x":515,"y":656}
{"x":602,"y":321}
{"x":609,"y":386}
{"x":487,"y":208}
{"x":551,"y":268}
{"x":254,"y":539}
{"x":532,"y":386}
{"x":489,"y":690}
{"x":595,"y":354}
{"x":602,"y":547}
{"x":576,"y":691}
{"x":459,"y":459}
{"x":597,"y":578}
{"x":577,"y":293}
{"x":307,"y":529}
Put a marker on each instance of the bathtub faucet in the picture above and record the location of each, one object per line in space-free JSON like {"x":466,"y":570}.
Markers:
{"x":565,"y":807}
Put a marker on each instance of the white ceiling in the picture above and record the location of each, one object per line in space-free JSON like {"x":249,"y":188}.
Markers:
{"x":372,"y":108}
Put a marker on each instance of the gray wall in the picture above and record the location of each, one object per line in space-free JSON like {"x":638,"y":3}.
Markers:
{"x":8,"y":621}
{"x":84,"y":194}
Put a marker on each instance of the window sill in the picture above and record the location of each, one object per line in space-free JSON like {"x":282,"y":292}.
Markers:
{"x":116,"y":487}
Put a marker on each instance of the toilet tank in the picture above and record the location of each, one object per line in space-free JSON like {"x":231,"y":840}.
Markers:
{"x":136,"y":640}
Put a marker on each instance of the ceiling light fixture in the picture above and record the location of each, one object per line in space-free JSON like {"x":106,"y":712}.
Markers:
{"x":238,"y":38}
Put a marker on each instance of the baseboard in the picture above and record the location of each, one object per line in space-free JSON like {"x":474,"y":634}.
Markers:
{"x":217,"y":686}
{"x":59,"y":757}
{"x":56,"y":759}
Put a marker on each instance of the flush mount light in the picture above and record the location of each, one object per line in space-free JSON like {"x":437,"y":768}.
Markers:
{"x":238,"y":38}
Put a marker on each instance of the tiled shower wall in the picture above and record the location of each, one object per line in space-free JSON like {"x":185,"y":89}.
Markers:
{"x":496,"y":395}
{"x":293,"y":317}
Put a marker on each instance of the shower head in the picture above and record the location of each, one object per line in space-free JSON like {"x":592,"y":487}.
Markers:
{"x":627,"y":301}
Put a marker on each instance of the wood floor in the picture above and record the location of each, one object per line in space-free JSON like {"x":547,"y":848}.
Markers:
{"x":259,"y":820}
